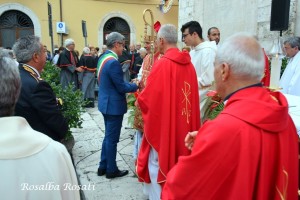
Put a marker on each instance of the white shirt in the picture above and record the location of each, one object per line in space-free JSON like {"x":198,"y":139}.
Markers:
{"x":55,"y":59}
{"x":294,"y":110}
{"x":203,"y":57}
{"x":290,"y":80}
{"x":140,"y":74}
{"x":36,"y":71}
{"x":33,"y":166}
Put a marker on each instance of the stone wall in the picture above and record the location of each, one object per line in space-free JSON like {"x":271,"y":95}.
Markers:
{"x":234,"y":16}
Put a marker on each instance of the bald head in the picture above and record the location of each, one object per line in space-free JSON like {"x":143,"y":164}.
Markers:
{"x":239,"y":63}
{"x":138,"y":46}
{"x":132,"y":47}
{"x":244,"y":55}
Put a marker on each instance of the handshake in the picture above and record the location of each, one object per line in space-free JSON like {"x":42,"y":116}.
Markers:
{"x":136,"y":81}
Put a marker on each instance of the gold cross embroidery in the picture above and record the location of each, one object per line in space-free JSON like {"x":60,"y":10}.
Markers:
{"x":186,"y":110}
{"x":283,"y":193}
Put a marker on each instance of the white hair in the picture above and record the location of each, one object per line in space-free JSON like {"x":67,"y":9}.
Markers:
{"x":25,"y":47}
{"x":86,"y":50}
{"x":7,"y":52}
{"x":143,"y":50}
{"x":245,"y":60}
{"x":169,"y":33}
{"x":10,"y":85}
{"x":68,"y":42}
{"x":112,"y":38}
{"x":293,"y":41}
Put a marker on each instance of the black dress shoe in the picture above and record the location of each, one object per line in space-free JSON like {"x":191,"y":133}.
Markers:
{"x":118,"y":173}
{"x":101,"y":172}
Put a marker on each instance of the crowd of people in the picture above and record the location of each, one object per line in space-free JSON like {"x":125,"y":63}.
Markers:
{"x":250,"y":151}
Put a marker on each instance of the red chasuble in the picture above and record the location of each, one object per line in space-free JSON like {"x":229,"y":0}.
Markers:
{"x":170,"y":109}
{"x":250,"y":151}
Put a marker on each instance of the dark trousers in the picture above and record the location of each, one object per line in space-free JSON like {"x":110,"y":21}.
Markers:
{"x":113,"y":124}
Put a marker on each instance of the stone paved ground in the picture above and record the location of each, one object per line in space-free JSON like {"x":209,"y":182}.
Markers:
{"x":86,"y":154}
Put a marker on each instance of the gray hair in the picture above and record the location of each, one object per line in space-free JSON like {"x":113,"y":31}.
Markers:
{"x":293,"y":41}
{"x":10,"y":85}
{"x":69,"y":41}
{"x":7,"y":52}
{"x":112,"y":38}
{"x":244,"y":60}
{"x":169,"y":33}
{"x":143,"y":50}
{"x":25,"y":47}
{"x":86,"y":50}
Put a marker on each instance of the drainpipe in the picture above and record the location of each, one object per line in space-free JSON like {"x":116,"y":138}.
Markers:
{"x":61,"y":19}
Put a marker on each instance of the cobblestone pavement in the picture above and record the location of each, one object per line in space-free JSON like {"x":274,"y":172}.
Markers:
{"x":86,"y":155}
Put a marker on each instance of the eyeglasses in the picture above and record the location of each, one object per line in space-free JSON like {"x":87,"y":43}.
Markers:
{"x":121,"y":43}
{"x":184,"y":35}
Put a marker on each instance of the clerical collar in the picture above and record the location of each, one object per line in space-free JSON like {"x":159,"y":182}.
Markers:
{"x":36,"y":71}
{"x":249,"y":86}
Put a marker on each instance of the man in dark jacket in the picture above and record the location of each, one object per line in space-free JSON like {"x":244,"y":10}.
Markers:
{"x":37,"y":102}
{"x":68,"y":62}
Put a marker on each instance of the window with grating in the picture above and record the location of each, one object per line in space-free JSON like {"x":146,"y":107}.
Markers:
{"x":13,"y":25}
{"x":117,"y":24}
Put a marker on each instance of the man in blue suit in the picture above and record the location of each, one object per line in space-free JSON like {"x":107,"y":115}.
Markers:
{"x":112,"y":103}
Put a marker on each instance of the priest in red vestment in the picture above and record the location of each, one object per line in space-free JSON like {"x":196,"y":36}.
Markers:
{"x":170,"y":109}
{"x":250,"y":151}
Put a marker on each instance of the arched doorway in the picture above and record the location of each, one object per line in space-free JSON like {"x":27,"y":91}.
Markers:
{"x":13,"y":25}
{"x":117,"y":24}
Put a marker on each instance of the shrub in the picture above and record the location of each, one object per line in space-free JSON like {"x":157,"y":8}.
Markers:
{"x":131,"y":98}
{"x":72,"y":101}
{"x":283,"y":65}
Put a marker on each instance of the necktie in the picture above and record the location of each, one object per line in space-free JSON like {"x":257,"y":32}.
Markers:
{"x":72,"y":59}
{"x":132,"y":61}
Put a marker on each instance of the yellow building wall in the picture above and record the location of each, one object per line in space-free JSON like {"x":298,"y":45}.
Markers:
{"x":93,"y":11}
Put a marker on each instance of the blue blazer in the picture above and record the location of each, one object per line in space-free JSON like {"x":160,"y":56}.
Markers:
{"x":112,"y":88}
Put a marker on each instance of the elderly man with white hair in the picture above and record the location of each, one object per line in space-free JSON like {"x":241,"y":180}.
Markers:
{"x":68,"y":62}
{"x":250,"y":151}
{"x":170,"y":107}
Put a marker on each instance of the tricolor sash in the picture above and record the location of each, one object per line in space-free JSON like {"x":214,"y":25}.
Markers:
{"x":103,"y":59}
